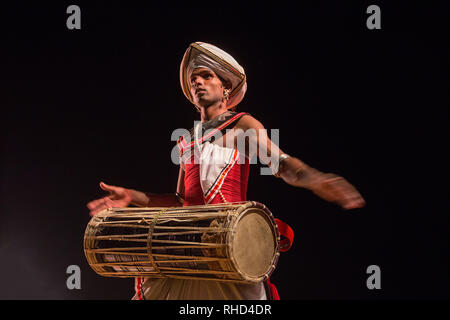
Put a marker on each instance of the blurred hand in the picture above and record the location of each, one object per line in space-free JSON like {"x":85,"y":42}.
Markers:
{"x":118,"y":198}
{"x":338,"y":190}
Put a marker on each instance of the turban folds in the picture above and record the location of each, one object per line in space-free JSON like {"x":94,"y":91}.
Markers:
{"x":205,"y":55}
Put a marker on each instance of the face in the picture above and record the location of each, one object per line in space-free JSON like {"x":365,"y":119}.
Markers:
{"x":206,"y":87}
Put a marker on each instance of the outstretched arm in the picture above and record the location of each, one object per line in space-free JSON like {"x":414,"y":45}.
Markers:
{"x":122,"y":197}
{"x":328,"y":186}
{"x":295,"y":172}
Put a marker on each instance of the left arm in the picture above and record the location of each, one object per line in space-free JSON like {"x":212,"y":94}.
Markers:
{"x":295,"y":172}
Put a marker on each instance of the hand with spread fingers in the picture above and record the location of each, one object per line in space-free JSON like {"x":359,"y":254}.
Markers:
{"x":118,"y":198}
{"x":336,"y":189}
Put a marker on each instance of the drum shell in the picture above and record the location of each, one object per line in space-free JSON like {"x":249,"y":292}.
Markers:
{"x":146,"y":261}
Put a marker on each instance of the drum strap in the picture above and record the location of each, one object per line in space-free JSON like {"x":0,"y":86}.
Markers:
{"x":271,"y":290}
{"x":287,"y":233}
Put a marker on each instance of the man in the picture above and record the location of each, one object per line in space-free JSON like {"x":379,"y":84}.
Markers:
{"x":214,"y":166}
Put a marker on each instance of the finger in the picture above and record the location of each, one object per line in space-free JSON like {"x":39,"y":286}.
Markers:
{"x":350,"y":200}
{"x":108,"y":187}
{"x":98,"y":209}
{"x":360,"y":203}
{"x":346,"y":195}
{"x":102,"y":203}
{"x":351,"y":194}
{"x":355,"y":204}
{"x":343,"y":193}
{"x":334,"y":179}
{"x":91,"y":205}
{"x":110,"y":203}
{"x":105,"y":204}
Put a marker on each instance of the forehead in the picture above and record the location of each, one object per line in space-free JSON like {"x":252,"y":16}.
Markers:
{"x":200,"y":71}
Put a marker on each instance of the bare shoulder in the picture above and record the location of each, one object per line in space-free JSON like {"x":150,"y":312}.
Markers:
{"x":248,"y":122}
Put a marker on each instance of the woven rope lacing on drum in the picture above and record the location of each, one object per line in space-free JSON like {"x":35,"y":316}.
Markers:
{"x":150,"y":236}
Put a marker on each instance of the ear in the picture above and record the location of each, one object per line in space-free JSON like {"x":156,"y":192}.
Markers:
{"x":227,"y":84}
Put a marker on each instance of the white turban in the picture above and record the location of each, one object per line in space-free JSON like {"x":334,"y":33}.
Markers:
{"x":200,"y":54}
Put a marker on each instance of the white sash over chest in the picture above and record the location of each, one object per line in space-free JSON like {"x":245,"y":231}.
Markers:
{"x":215,"y":162}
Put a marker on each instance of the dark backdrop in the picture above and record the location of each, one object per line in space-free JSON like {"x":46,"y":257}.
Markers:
{"x":100,"y":104}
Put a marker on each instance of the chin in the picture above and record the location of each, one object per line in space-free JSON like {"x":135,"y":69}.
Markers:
{"x":204,"y":103}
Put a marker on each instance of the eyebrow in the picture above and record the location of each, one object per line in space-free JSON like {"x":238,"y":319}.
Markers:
{"x":201,"y":72}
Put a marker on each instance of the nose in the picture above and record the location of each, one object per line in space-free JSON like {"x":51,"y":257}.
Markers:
{"x":196,"y":81}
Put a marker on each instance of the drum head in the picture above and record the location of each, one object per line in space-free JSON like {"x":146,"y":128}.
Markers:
{"x":254,"y":243}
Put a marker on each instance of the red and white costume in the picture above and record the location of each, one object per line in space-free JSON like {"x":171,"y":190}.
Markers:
{"x":213,"y":174}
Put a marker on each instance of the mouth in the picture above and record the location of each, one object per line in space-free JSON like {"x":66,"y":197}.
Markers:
{"x":200,"y":91}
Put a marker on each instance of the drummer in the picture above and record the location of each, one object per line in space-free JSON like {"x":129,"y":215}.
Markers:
{"x":214,"y":167}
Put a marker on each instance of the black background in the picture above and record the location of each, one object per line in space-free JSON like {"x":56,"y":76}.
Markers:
{"x":100,"y":104}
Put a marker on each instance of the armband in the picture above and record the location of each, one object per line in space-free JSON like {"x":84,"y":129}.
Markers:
{"x":281,"y":159}
{"x":179,"y":197}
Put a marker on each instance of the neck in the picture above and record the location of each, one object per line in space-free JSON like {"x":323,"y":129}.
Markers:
{"x":212,"y":111}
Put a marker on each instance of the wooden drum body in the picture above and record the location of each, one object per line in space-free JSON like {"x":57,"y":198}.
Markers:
{"x":233,"y":242}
